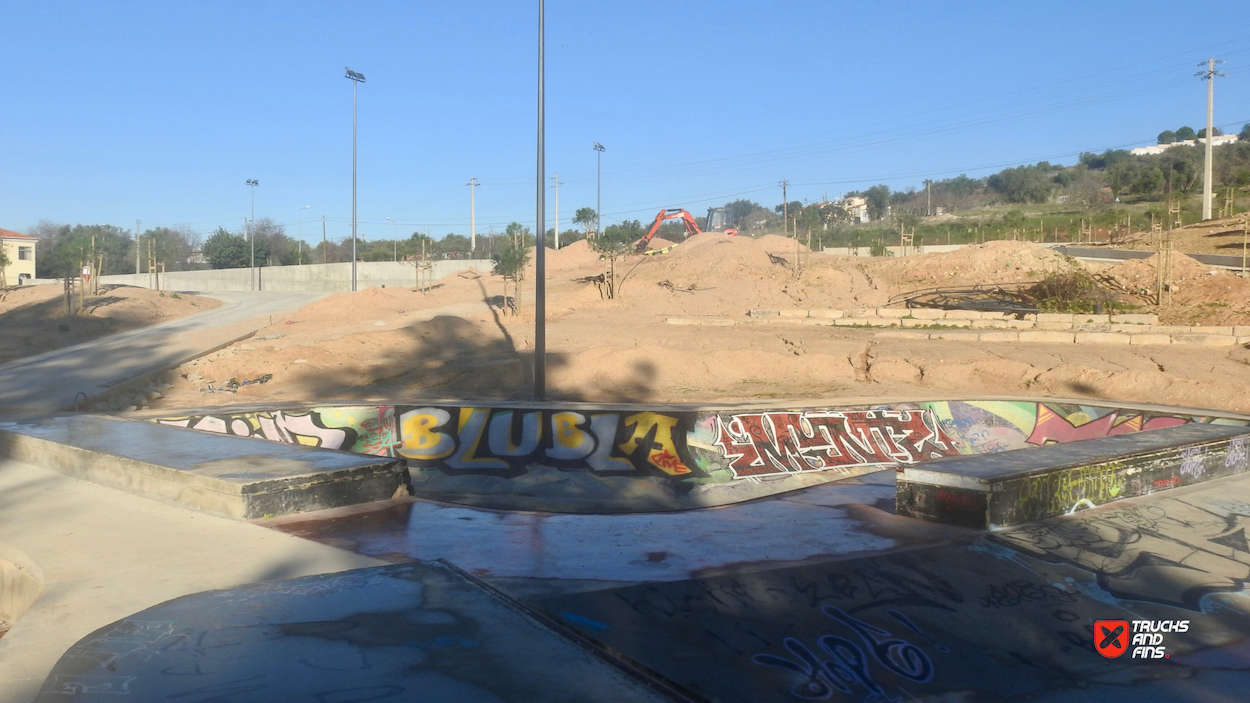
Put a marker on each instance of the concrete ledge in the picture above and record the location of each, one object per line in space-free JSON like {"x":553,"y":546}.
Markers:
{"x":1134,"y":319}
{"x":1022,"y":485}
{"x":1205,"y":340}
{"x":1150,"y":339}
{"x":1102,"y":338}
{"x":902,"y":334}
{"x":893,"y":312}
{"x":1049,"y":337}
{"x":223,"y":475}
{"x":999,"y":337}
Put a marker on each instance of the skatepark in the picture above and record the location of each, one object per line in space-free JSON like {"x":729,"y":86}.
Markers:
{"x":333,"y":534}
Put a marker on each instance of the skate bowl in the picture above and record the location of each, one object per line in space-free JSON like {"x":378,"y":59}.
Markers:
{"x":583,"y":458}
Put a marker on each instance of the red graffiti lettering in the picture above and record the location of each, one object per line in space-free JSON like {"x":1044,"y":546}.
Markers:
{"x":774,"y":443}
{"x":1053,"y":428}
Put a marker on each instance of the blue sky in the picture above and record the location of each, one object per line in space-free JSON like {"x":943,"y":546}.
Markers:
{"x":117,"y":111}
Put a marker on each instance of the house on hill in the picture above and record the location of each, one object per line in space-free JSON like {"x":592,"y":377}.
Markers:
{"x":20,"y":250}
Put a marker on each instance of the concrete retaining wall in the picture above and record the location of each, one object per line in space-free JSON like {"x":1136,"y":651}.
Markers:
{"x":1051,"y":328}
{"x":574,"y":458}
{"x":309,"y":277}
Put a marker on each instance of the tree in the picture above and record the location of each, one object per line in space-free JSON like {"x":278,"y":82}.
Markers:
{"x":513,"y":257}
{"x":737,"y":211}
{"x":64,"y":249}
{"x":878,"y":198}
{"x":615,"y":242}
{"x":587,"y":218}
{"x":1167,"y":136}
{"x":1244,"y":134}
{"x":1184,"y":134}
{"x":1202,"y":133}
{"x":225,"y":250}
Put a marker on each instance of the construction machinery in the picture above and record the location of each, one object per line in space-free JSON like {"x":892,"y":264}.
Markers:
{"x":715,"y":222}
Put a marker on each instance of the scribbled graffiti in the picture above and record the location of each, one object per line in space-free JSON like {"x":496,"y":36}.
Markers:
{"x":1056,"y":492}
{"x":758,"y":444}
{"x":505,"y":441}
{"x":848,"y":667}
{"x":366,"y":430}
{"x":1238,"y":456}
{"x":1168,"y":552}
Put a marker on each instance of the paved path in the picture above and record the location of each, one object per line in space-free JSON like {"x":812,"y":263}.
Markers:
{"x":44,"y":384}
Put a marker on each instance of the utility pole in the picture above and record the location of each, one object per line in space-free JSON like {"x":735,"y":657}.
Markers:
{"x":138,"y":225}
{"x":928,"y":193}
{"x":598,"y":188}
{"x":473,"y":184}
{"x":555,"y":184}
{"x":785,"y":208}
{"x":325,"y":247}
{"x":1209,"y":75}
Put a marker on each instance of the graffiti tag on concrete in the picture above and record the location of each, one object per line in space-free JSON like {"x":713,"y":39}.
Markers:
{"x":504,"y":441}
{"x":758,"y":444}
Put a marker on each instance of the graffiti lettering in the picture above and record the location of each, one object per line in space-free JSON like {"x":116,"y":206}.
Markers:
{"x":758,"y":444}
{"x":367,"y":430}
{"x":1238,"y":454}
{"x":1055,"y":493}
{"x":1020,"y":592}
{"x":849,"y":663}
{"x":505,"y":442}
{"x":1052,"y":427}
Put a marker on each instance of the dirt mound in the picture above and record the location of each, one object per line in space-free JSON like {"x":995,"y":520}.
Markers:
{"x":992,"y":262}
{"x":1200,"y":294}
{"x":776,"y":243}
{"x":34,"y":320}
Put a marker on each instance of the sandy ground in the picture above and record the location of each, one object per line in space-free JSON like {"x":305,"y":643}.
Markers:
{"x":33,"y":318}
{"x":395,"y":344}
{"x":1222,"y":236}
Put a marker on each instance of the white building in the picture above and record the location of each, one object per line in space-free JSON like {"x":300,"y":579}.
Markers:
{"x":1160,"y":148}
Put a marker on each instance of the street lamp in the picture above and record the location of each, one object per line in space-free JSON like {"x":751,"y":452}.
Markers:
{"x":356,"y":79}
{"x":252,"y":240}
{"x":540,"y":256}
{"x":598,"y":185}
{"x":394,"y":238}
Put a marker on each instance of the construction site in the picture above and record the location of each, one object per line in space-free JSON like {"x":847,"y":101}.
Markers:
{"x":761,"y":473}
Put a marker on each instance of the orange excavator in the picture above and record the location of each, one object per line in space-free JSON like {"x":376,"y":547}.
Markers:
{"x":715,"y":223}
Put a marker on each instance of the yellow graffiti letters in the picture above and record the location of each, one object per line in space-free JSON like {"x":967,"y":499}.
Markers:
{"x":661,"y":452}
{"x":421,"y":437}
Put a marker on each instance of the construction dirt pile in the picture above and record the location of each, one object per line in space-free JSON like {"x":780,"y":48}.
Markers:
{"x":1196,"y":294}
{"x":461,"y":340}
{"x":33,"y":318}
{"x":1221,"y":236}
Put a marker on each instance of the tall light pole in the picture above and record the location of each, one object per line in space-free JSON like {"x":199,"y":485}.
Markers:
{"x":252,"y":240}
{"x":356,"y":79}
{"x":301,"y":231}
{"x":598,"y":186}
{"x":394,"y":238}
{"x":473,"y":184}
{"x":1209,"y":75}
{"x":540,"y":258}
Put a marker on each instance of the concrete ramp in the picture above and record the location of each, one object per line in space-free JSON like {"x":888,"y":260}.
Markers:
{"x":218,"y":474}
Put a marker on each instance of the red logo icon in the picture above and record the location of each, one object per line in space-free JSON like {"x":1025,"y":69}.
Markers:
{"x":1111,"y":637}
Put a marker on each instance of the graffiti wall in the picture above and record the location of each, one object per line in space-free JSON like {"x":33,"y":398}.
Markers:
{"x":759,"y":451}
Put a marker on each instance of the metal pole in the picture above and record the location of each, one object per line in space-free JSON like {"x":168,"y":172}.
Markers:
{"x":598,"y":188}
{"x":473,"y":184}
{"x":1206,"y":168}
{"x":354,"y":85}
{"x":325,"y":246}
{"x":540,"y":260}
{"x":138,"y":224}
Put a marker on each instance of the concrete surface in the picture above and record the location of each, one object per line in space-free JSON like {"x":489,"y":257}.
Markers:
{"x":414,"y":632}
{"x":327,"y":278}
{"x":106,"y":554}
{"x":44,"y":384}
{"x":213,"y":473}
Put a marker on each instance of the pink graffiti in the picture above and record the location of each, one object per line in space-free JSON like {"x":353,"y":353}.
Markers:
{"x":1053,"y":428}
